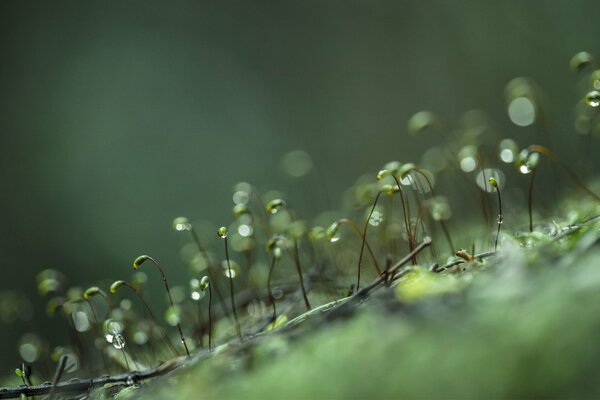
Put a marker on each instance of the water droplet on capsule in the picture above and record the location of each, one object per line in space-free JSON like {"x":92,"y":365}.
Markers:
{"x":222,"y":232}
{"x":332,"y":232}
{"x":592,"y":99}
{"x":275,"y":205}
{"x":118,"y":341}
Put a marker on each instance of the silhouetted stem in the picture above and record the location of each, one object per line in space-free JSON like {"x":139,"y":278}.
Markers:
{"x":500,"y":217}
{"x":530,"y":200}
{"x":405,"y":211}
{"x":364,"y":241}
{"x":166,"y":284}
{"x":211,"y":267}
{"x":442,"y":223}
{"x":151,"y":314}
{"x":299,"y":270}
{"x":210,"y":317}
{"x":235,"y":317}
{"x":271,"y":297}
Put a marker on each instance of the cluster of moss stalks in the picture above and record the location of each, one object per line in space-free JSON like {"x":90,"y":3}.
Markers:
{"x":482,"y":299}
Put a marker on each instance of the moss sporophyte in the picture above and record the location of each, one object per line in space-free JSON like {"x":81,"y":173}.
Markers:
{"x":393,"y":249}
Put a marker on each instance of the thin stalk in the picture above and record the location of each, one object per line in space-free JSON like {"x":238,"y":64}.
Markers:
{"x":148,"y":311}
{"x":211,"y":266}
{"x":530,"y":200}
{"x":136,"y":264}
{"x":442,"y":223}
{"x":209,"y":318}
{"x":235,"y":317}
{"x":405,"y":211}
{"x":271,"y":297}
{"x":299,"y":270}
{"x":364,"y":242}
{"x":500,"y":220}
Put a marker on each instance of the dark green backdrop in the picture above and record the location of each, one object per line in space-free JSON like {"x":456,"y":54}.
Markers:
{"x":117,"y":116}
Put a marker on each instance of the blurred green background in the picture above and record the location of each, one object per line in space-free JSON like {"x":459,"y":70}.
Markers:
{"x":117,"y":117}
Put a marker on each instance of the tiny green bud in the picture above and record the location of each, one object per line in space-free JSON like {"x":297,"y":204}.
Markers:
{"x":275,"y":205}
{"x":140,"y":260}
{"x":204,"y":283}
{"x":91,"y":292}
{"x":493,"y":182}
{"x":116,"y":285}
{"x":222,"y":232}
{"x":383,"y":173}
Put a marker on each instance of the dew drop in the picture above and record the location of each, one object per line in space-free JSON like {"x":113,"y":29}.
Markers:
{"x":527,"y":161}
{"x":332,"y":232}
{"x":500,"y":219}
{"x":592,"y":99}
{"x":275,"y":205}
{"x":524,"y":169}
{"x":222,"y":232}
{"x":204,"y":283}
{"x":181,"y":224}
{"x":118,"y":341}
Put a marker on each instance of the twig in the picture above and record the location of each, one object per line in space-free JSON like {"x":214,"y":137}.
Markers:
{"x":458,"y":261}
{"x":76,"y":385}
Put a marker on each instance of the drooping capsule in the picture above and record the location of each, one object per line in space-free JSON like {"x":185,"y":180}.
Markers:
{"x":222,"y":232}
{"x":580,"y":61}
{"x":332,"y":232}
{"x":140,"y":260}
{"x":592,"y":99}
{"x":115,"y":286}
{"x":275,"y":205}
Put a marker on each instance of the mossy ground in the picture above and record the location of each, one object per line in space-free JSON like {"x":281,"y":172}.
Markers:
{"x":523,"y":324}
